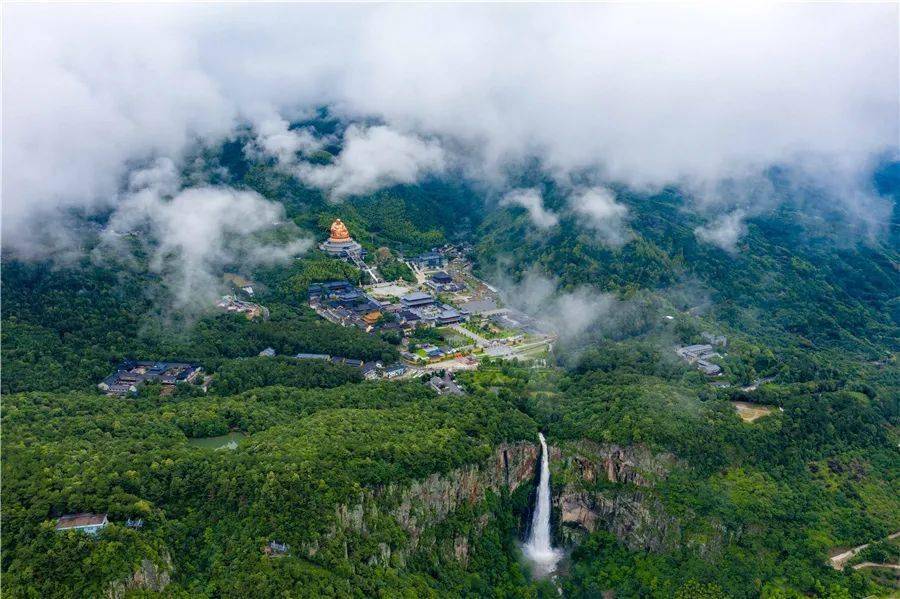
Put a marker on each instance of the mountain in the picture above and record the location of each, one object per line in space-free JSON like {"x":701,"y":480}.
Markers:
{"x":659,"y":488}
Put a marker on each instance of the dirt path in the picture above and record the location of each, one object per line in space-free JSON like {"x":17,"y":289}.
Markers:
{"x":874,"y":565}
{"x":838,"y":561}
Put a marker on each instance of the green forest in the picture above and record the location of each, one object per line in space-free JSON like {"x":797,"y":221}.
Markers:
{"x":734,"y":509}
{"x":210,"y":512}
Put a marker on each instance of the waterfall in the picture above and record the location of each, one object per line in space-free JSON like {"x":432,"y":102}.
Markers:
{"x":538,"y":548}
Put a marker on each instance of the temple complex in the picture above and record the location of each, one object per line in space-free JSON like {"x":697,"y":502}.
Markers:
{"x":339,"y":244}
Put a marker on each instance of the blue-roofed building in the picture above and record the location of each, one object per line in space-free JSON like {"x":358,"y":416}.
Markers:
{"x":416,"y":299}
{"x":394,"y":370}
{"x":434,"y":352}
{"x":430,"y":260}
{"x":132,"y":374}
{"x":442,"y":278}
{"x":370,"y":371}
{"x":276,"y":549}
{"x":409,"y":316}
{"x":335,"y":297}
{"x":445,"y":385}
{"x":449,"y":316}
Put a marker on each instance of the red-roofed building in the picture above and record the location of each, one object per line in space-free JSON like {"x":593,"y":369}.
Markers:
{"x":86,"y":523}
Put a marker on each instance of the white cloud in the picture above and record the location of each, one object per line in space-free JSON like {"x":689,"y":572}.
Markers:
{"x":724,"y":231}
{"x":533,"y":202}
{"x":568,"y":313}
{"x":601,"y":212}
{"x":274,"y":138}
{"x":162,"y":176}
{"x":194,"y":234}
{"x":645,"y":94}
{"x":83,"y":98}
{"x":372,"y":158}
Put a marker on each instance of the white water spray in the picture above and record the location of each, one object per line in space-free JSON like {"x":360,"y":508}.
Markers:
{"x":538,"y":548}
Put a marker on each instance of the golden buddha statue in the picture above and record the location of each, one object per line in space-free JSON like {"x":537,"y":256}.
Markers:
{"x":340,"y":244}
{"x":339,"y":232}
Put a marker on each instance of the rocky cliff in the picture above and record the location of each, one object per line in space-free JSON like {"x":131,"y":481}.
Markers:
{"x":610,"y":487}
{"x":429,"y":501}
{"x":418,"y":508}
{"x":595,"y":487}
{"x":149,"y":577}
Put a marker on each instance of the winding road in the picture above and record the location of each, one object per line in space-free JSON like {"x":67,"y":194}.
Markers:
{"x":839,"y":561}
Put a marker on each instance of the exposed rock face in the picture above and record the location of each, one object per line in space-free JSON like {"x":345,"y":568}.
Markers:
{"x":461,"y":549}
{"x":419,"y":505}
{"x":596,"y":487}
{"x":149,"y":577}
{"x":633,"y":465}
{"x":635,"y":519}
{"x":626,"y":507}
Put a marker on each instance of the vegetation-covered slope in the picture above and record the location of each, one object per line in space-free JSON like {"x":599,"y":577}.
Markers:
{"x":789,"y":283}
{"x":211,"y":512}
{"x":754,"y":508}
{"x":737,"y":509}
{"x":67,"y":328}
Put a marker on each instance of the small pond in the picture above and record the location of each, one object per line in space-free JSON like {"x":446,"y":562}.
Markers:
{"x":221,"y":442}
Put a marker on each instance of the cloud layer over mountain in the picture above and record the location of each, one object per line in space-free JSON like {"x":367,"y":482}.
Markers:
{"x":643,"y":94}
{"x":372,"y":158}
{"x":192,"y":234}
{"x":533,"y":202}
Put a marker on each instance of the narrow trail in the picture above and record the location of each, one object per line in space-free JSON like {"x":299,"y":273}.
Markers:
{"x":838,"y":561}
{"x":874,"y":565}
{"x":371,"y":271}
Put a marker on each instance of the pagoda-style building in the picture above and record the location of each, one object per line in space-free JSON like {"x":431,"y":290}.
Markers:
{"x":339,"y":243}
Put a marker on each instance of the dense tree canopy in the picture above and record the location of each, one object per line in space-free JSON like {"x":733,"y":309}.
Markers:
{"x":210,"y":512}
{"x":756,"y":508}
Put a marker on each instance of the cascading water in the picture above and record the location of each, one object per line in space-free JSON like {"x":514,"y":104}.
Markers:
{"x":538,"y":548}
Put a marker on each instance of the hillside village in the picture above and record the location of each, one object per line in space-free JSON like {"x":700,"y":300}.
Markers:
{"x":446,"y":321}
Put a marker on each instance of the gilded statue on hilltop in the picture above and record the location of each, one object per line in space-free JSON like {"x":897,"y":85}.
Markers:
{"x":340,"y":244}
{"x":339,"y":231}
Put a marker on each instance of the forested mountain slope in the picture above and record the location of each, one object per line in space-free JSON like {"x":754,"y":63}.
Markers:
{"x":790,"y":282}
{"x":208,"y":514}
{"x":699,"y":503}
